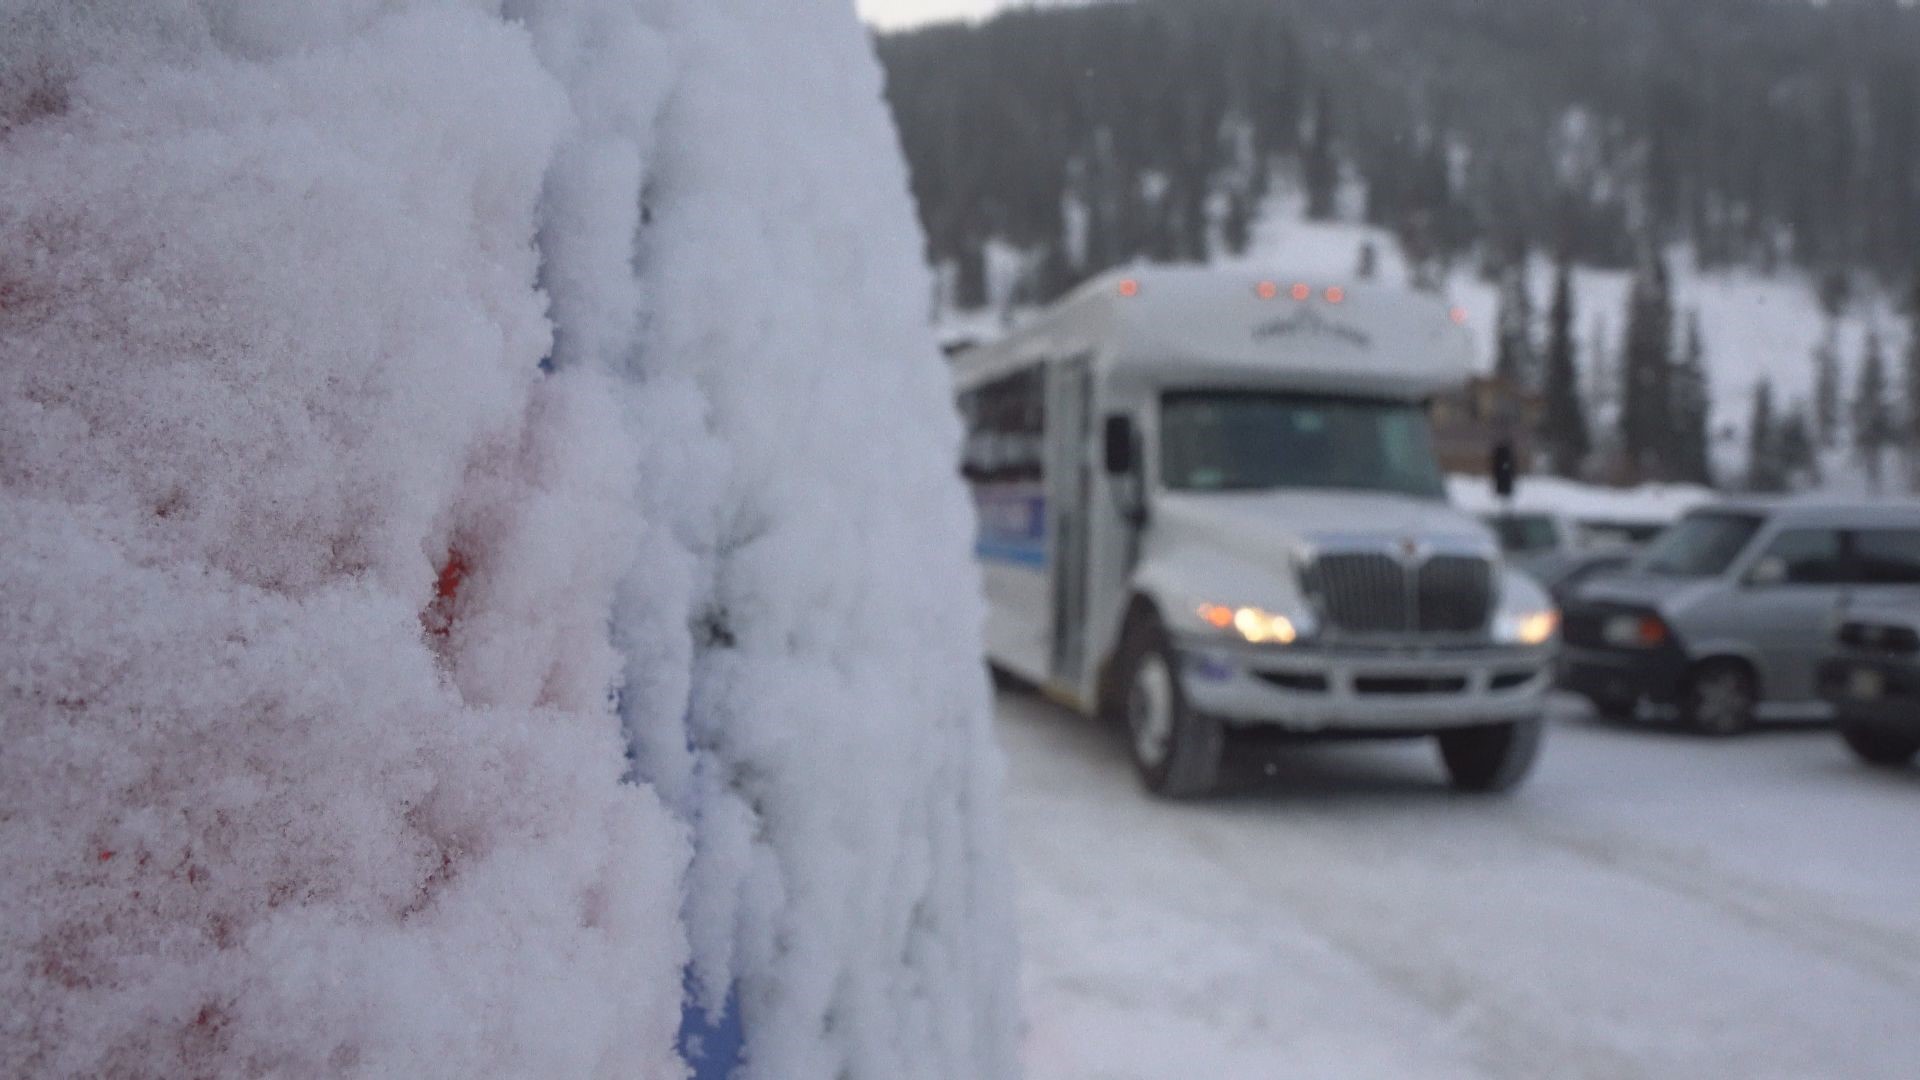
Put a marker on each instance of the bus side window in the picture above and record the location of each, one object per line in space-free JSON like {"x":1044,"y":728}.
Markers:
{"x":1006,"y":429}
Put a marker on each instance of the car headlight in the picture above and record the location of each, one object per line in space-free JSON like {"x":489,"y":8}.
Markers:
{"x":1526,"y":627}
{"x":1257,"y":625}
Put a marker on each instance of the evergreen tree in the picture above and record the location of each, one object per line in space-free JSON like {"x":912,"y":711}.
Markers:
{"x":1564,"y":430}
{"x":970,"y":288}
{"x":1693,"y":410}
{"x":1763,"y":447}
{"x":1646,"y":414}
{"x":1369,"y":264}
{"x":1799,"y":458}
{"x":1515,"y":362}
{"x":1826,"y":387}
{"x":1912,"y":385}
{"x":1873,"y":422}
{"x":1236,"y":225}
{"x":1320,"y":170}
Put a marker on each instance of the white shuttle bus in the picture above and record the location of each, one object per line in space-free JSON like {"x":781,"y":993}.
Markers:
{"x":1210,"y":506}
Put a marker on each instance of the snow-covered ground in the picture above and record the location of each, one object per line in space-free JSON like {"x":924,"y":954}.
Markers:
{"x":1651,"y":905}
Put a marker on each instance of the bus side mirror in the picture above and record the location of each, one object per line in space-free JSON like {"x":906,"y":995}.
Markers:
{"x":1117,"y":444}
{"x":1505,"y":469}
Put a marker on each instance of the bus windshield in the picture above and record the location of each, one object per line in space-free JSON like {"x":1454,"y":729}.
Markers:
{"x":1240,"y":441}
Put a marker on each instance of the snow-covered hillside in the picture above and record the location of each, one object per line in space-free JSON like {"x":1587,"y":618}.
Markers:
{"x":397,"y":397}
{"x":1754,"y":327}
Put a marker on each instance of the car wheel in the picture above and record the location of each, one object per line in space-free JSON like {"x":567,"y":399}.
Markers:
{"x":1878,"y":746}
{"x":1491,"y":759}
{"x":1720,"y":700}
{"x":1176,"y":750}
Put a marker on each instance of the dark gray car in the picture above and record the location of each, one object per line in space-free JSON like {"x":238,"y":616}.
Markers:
{"x":1873,"y":678}
{"x":1729,"y":615}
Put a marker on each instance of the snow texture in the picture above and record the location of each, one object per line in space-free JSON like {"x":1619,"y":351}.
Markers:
{"x":317,"y":595}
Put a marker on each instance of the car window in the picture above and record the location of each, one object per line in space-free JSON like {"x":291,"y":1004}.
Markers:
{"x":1887,"y":556}
{"x":1701,"y":545}
{"x":1521,"y":533}
{"x":1810,"y":556}
{"x":1596,"y":568}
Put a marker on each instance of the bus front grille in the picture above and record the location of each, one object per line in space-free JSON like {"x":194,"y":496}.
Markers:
{"x":1373,"y":593}
{"x":1361,"y":593}
{"x":1455,"y":594}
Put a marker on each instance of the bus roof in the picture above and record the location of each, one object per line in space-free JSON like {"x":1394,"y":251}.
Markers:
{"x":1202,"y":326}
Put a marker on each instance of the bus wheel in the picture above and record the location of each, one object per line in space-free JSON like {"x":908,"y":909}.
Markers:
{"x":1177,"y":750}
{"x":1492,"y":759}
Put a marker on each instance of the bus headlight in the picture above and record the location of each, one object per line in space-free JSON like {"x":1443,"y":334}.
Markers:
{"x":1531,"y":628}
{"x":1257,"y":625}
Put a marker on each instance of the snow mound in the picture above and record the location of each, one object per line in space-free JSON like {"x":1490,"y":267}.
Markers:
{"x":317,"y":593}
{"x":1646,"y":503}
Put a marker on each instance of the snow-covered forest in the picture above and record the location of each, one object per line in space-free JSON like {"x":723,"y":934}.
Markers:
{"x":1733,"y":187}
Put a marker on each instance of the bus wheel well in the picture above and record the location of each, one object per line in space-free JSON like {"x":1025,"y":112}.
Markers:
{"x":1141,"y":612}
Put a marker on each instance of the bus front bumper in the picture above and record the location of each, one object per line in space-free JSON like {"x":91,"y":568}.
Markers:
{"x":1375,"y":691}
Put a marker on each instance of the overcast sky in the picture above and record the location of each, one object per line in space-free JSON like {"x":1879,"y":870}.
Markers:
{"x":897,"y":13}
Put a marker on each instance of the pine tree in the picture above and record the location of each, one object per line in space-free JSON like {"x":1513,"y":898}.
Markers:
{"x":1873,"y":426}
{"x":1515,"y":362}
{"x":1236,"y":225}
{"x":1369,"y":263}
{"x":1763,"y":446}
{"x":1799,"y":458}
{"x":1564,"y":430}
{"x":1693,"y":410}
{"x":1321,"y":168}
{"x":1826,"y":388}
{"x":1912,"y":387}
{"x":1646,"y":415}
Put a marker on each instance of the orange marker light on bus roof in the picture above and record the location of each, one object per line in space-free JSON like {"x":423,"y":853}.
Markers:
{"x":1336,"y":294}
{"x":1458,"y":315}
{"x":1266,"y":290}
{"x":1129,"y":287}
{"x":1302,"y":291}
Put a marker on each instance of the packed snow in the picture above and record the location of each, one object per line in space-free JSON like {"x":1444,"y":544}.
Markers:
{"x":479,"y":537}
{"x":1651,"y":503}
{"x":1650,"y":905}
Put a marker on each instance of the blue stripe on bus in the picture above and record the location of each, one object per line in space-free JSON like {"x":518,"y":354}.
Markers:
{"x":1017,"y":554}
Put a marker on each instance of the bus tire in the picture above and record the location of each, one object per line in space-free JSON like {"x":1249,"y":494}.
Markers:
{"x":1492,"y":759}
{"x":1176,"y":750}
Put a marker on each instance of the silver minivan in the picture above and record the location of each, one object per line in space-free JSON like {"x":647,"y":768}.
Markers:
{"x":1726,"y":618}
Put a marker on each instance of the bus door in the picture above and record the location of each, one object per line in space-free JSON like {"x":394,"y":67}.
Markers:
{"x":1069,"y":478}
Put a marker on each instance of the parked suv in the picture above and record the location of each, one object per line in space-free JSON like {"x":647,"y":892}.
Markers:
{"x":1728,"y":616}
{"x":1874,"y":679}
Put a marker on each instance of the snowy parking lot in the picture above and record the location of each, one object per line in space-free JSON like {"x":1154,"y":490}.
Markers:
{"x":1650,"y":905}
